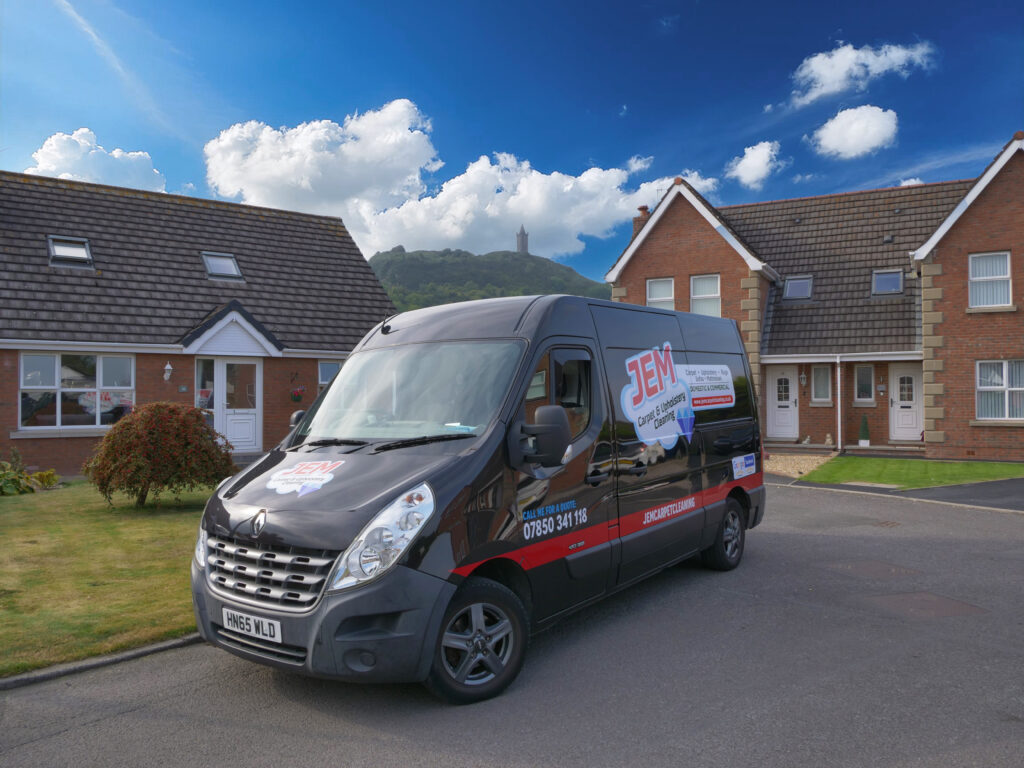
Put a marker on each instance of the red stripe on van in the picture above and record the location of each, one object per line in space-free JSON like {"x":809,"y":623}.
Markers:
{"x":548,"y":550}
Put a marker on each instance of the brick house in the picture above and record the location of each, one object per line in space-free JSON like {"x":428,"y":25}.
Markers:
{"x":112,"y":297}
{"x":897,"y":306}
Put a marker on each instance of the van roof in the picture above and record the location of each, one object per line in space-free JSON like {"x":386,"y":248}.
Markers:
{"x":530,"y":317}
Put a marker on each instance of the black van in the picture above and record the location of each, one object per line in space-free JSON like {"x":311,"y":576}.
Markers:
{"x":474,"y":472}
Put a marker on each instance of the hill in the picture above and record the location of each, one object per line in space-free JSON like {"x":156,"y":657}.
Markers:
{"x":425,"y":278}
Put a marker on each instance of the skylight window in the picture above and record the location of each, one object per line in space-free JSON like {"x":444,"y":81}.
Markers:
{"x":221,"y":265}
{"x":886,"y":281}
{"x":797,"y":288}
{"x":69,"y":251}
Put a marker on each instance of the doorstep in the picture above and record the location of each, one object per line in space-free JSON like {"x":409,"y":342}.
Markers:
{"x":902,"y":450}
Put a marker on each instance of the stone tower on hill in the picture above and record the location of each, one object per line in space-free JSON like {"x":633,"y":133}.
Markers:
{"x":522,"y":240}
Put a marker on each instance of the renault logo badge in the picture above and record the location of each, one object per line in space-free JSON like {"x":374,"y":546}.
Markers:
{"x":259,"y":522}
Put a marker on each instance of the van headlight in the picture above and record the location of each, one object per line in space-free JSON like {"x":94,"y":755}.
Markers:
{"x":385,"y":538}
{"x":200,"y":553}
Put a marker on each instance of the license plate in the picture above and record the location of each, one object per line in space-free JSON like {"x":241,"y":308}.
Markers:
{"x":254,"y":626}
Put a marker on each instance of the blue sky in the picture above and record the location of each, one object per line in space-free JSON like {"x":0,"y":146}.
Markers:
{"x":450,"y":124}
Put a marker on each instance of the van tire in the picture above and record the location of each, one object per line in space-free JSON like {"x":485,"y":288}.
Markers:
{"x":481,"y":645}
{"x":727,"y":551}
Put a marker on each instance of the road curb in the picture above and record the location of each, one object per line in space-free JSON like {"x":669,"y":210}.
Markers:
{"x":74,"y":667}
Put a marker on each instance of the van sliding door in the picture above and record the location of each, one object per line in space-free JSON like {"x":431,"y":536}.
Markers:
{"x":660,"y":507}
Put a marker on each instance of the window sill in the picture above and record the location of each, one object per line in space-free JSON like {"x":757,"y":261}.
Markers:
{"x":996,"y":422}
{"x":865,"y":404}
{"x":32,"y":433}
{"x":821,"y":404}
{"x":985,"y":310}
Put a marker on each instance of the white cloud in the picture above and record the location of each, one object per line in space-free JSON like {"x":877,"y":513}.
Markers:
{"x":910,"y":182}
{"x":637,"y":163}
{"x":78,"y":156}
{"x":370,"y":171}
{"x":847,"y":68}
{"x":481,"y":209}
{"x":624,"y":110}
{"x":803,"y":178}
{"x":705,"y":186}
{"x":757,"y":164}
{"x":370,"y":162}
{"x":856,"y":132}
{"x":768,"y":108}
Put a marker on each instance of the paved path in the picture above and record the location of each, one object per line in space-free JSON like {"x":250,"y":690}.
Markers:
{"x":995,"y":494}
{"x":860,"y":630}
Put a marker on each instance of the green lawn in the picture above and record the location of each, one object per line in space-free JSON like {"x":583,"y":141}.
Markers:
{"x":80,"y":578}
{"x":910,"y":473}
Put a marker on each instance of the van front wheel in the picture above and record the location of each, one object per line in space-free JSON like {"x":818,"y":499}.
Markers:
{"x":727,"y":551}
{"x":482,"y":643}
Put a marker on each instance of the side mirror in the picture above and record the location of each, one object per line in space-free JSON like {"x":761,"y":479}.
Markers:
{"x":551,"y":435}
{"x":295,"y":418}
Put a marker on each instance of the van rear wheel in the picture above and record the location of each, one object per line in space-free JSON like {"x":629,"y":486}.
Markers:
{"x":482,"y":643}
{"x":727,"y":551}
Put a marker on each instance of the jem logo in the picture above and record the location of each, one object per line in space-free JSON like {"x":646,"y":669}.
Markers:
{"x":649,"y":371}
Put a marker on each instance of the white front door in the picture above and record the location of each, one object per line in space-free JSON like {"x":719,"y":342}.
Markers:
{"x":905,"y":422}
{"x":230,"y":390}
{"x":783,"y":416}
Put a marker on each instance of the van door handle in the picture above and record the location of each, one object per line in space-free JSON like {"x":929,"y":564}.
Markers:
{"x":596,"y":478}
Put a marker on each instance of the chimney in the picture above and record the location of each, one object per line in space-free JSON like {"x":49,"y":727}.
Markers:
{"x":639,"y":221}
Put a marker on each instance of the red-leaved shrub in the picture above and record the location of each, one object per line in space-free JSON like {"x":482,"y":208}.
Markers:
{"x":159,"y":447}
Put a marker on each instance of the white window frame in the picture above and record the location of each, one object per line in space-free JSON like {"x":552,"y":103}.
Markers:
{"x":828,"y":381}
{"x":58,"y":389}
{"x":236,"y":275}
{"x":874,"y":275}
{"x":321,"y":382}
{"x":716,"y":295}
{"x":1007,"y":277}
{"x":1006,"y":389}
{"x":856,"y":397}
{"x":795,"y":279}
{"x":56,"y":260}
{"x":663,"y":302}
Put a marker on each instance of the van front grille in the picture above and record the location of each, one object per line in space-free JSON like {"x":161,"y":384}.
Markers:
{"x":287,"y":578}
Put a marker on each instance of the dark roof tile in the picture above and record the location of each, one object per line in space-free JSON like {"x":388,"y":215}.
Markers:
{"x":306,"y":281}
{"x":840,"y":240}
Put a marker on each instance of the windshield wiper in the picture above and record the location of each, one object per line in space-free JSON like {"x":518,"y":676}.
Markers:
{"x":410,"y":441}
{"x":329,"y":441}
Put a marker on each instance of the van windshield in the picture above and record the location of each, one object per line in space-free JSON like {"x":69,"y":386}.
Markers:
{"x":418,"y":390}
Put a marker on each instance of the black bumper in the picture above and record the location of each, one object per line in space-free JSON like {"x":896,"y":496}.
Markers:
{"x":382,"y":632}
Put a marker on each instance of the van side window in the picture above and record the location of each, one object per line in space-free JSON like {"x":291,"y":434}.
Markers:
{"x":562,"y":377}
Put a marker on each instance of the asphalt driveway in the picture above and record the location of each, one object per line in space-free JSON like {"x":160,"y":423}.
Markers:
{"x":861,"y":629}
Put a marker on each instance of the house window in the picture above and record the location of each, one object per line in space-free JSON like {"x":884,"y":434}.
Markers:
{"x":1000,"y":386}
{"x":660,"y":293}
{"x":886,"y":281}
{"x":222,"y":265}
{"x":69,"y":251}
{"x":864,"y":384}
{"x":72,"y":390}
{"x":326,"y":370}
{"x":821,"y":383}
{"x":989,"y":283}
{"x":706,"y":295}
{"x":797,"y":288}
